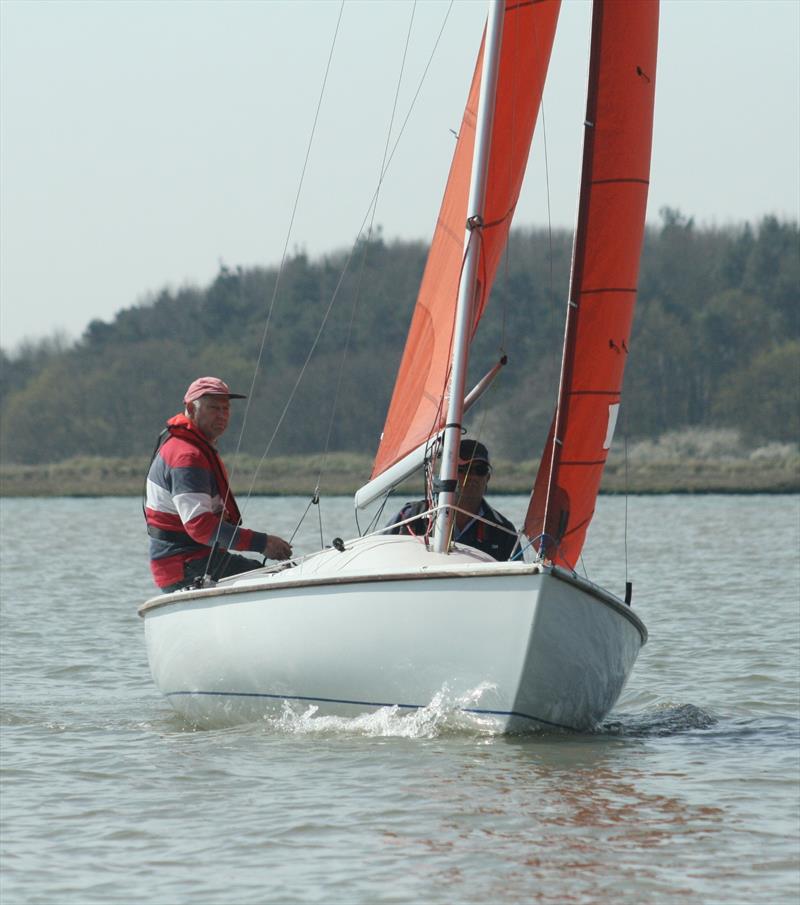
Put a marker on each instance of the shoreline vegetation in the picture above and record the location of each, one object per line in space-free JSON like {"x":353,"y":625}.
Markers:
{"x":689,"y":462}
{"x":716,"y":338}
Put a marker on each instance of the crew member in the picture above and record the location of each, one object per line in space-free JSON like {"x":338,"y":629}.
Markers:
{"x":192,"y":518}
{"x":495,"y":536}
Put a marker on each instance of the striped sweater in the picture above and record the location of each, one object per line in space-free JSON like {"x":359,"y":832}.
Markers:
{"x":189,"y":506}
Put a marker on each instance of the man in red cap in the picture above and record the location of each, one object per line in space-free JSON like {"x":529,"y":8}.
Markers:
{"x":192,"y":518}
{"x":476,"y":523}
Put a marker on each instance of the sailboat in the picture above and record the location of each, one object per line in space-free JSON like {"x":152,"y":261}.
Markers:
{"x":397,"y":620}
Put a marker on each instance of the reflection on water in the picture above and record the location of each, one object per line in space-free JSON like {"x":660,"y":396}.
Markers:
{"x":560,"y":817}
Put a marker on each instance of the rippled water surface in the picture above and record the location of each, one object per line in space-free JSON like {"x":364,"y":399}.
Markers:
{"x":688,"y":793}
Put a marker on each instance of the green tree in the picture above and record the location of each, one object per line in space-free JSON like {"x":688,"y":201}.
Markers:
{"x":763,"y":400}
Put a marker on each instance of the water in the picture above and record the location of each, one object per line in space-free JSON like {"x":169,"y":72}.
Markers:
{"x":688,"y":793}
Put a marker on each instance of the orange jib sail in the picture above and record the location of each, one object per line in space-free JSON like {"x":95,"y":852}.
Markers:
{"x":418,"y":403}
{"x":605,"y":270}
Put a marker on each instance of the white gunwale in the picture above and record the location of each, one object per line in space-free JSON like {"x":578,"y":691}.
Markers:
{"x":481,"y":570}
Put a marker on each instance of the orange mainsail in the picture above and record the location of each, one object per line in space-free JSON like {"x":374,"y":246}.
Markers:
{"x":417,"y":408}
{"x":605,"y":270}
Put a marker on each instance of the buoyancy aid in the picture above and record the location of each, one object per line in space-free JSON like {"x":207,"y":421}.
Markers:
{"x":182,"y":428}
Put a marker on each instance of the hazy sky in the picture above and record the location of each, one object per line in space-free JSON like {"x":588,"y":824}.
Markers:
{"x":143,"y":143}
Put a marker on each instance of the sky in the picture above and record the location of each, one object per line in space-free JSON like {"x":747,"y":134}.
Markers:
{"x":144,"y":144}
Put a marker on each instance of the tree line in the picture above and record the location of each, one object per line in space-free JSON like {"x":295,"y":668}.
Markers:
{"x":716,"y":343}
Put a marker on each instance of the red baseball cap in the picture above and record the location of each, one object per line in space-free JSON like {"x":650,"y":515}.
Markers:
{"x":209,"y":386}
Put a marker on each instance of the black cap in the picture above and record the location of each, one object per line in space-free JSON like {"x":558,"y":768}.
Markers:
{"x":472,"y":451}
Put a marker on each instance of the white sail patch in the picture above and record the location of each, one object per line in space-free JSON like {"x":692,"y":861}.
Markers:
{"x":613,"y":412}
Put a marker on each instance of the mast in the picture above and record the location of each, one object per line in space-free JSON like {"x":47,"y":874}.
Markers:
{"x":448,"y":475}
{"x":414,"y":460}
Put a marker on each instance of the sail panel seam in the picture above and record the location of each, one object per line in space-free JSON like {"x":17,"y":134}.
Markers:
{"x":522,"y":4}
{"x":608,"y":289}
{"x":619,"y":179}
{"x":594,"y":392}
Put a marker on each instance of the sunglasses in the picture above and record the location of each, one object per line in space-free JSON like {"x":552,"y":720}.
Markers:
{"x":479,"y":469}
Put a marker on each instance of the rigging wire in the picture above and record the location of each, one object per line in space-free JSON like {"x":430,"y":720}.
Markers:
{"x":625,"y":523}
{"x":547,"y":196}
{"x":353,"y":248}
{"x":543,"y":114}
{"x":510,"y":176}
{"x":357,"y":293}
{"x":275,"y":290}
{"x":370,"y":229}
{"x":438,"y":415}
{"x":314,"y":501}
{"x":432,"y":439}
{"x":375,"y":518}
{"x":291,"y":222}
{"x":478,"y":436}
{"x":553,"y":347}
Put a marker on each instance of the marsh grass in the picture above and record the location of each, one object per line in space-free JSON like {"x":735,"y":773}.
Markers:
{"x":701,"y":460}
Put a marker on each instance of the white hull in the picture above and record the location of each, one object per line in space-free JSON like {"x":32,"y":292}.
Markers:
{"x":343,"y":632}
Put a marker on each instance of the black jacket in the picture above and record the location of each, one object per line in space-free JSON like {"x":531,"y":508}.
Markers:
{"x":491,"y":540}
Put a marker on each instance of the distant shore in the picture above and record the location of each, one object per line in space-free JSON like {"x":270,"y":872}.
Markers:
{"x":343,"y":473}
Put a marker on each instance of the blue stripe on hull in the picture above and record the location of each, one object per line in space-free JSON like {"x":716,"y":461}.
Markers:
{"x":312,"y":700}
